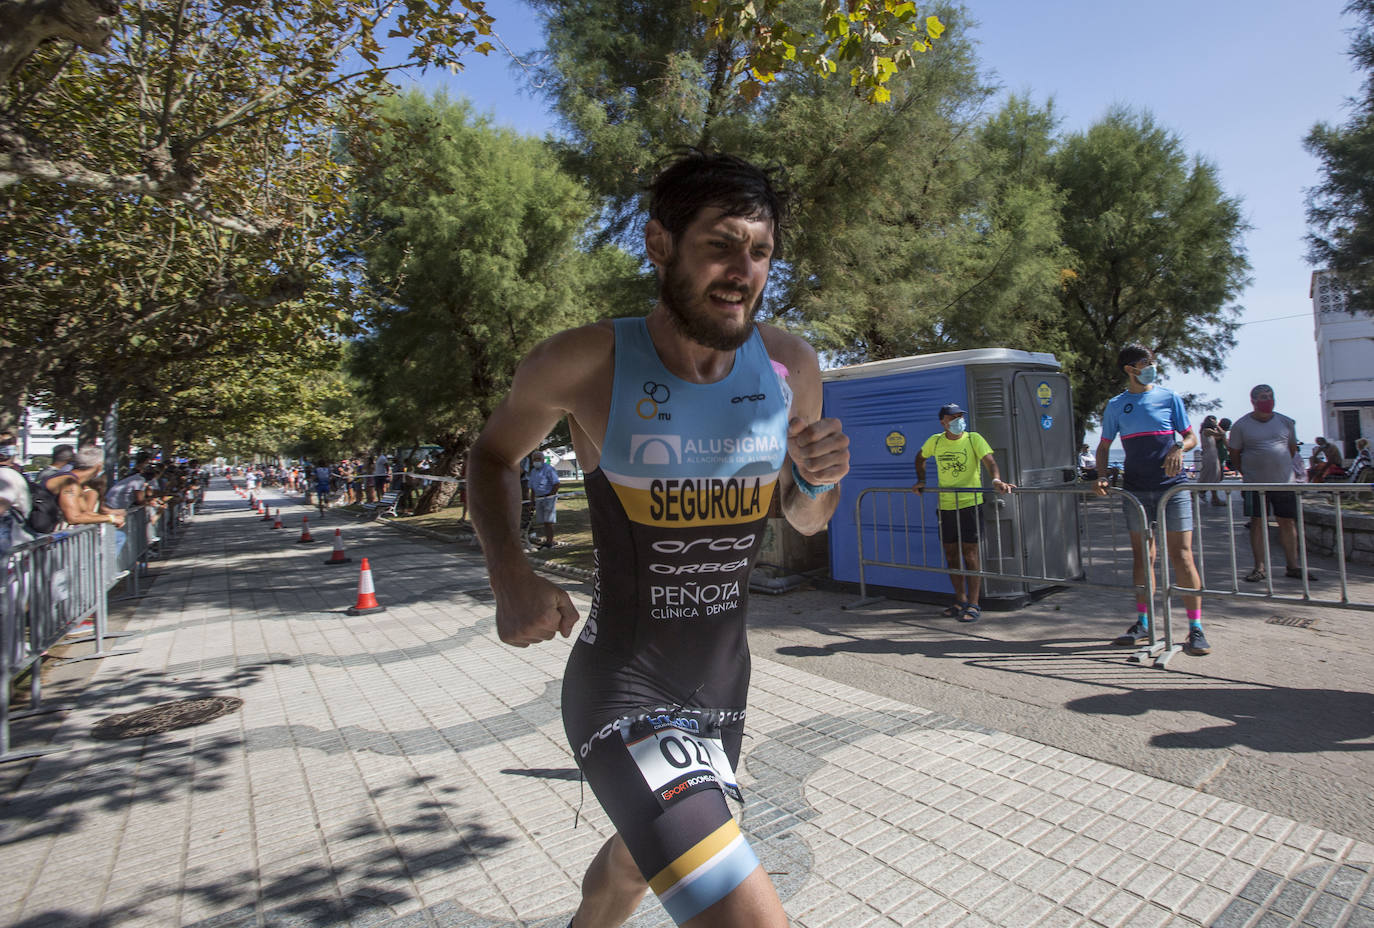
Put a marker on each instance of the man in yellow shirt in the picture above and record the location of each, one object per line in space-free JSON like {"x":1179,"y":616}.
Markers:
{"x":959,"y":456}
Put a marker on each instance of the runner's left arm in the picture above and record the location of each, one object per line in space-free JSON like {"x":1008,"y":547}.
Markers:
{"x":817,"y":446}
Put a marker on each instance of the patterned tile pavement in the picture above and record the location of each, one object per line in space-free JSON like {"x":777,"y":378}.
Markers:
{"x":406,"y":769}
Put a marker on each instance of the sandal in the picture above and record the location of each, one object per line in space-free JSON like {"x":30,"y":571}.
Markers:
{"x":1255,"y":575}
{"x":953,"y":611}
{"x":971,"y":613}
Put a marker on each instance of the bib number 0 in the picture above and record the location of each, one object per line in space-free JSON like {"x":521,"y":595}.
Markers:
{"x":677,"y":763}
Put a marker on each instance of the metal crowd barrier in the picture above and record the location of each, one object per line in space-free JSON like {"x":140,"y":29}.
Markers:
{"x":1305,"y":494}
{"x":1018,"y":544}
{"x":1022,"y":544}
{"x":53,"y":584}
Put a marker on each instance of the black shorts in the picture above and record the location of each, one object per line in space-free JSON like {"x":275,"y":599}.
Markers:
{"x":648,"y":770}
{"x":959,"y":525}
{"x":1281,"y":503}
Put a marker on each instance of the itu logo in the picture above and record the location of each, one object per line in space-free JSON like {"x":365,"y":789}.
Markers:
{"x":656,"y":450}
{"x":655,"y":394}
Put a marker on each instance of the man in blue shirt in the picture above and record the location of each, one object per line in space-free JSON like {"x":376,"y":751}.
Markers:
{"x":1150,"y":420}
{"x":544,"y":494}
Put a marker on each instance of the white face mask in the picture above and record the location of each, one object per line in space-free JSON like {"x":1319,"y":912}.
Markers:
{"x":957,"y":426}
{"x":1146,"y":375}
{"x":7,"y":451}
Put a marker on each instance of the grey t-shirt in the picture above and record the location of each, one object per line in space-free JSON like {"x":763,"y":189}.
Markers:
{"x":1264,"y":448}
{"x":121,"y":495}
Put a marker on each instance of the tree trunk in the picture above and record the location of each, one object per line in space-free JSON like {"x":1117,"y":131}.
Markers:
{"x":450,"y":464}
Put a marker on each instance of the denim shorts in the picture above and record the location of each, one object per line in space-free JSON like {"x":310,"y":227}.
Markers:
{"x":1178,"y":517}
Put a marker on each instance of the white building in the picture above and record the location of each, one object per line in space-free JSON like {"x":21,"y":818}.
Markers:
{"x":36,"y":438}
{"x":1345,"y":364}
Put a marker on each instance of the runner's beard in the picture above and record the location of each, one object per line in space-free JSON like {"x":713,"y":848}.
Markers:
{"x":678,"y":296}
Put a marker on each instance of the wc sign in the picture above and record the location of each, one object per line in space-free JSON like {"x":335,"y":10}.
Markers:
{"x":1044,"y":395}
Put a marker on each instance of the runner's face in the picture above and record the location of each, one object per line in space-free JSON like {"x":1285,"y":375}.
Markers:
{"x":712,"y":284}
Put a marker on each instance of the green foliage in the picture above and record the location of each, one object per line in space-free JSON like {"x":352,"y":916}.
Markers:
{"x":873,"y":39}
{"x":1340,"y":209}
{"x":470,"y":241}
{"x":1157,"y":254}
{"x":913,"y":230}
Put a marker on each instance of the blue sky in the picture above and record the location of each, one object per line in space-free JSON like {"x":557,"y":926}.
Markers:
{"x":1240,"y":81}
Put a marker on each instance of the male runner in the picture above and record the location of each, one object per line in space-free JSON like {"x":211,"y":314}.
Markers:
{"x":687,"y":422}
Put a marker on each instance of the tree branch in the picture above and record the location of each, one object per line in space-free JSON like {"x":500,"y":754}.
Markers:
{"x":27,"y":24}
{"x":19,"y":162}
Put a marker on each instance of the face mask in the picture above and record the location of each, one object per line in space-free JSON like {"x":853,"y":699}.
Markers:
{"x":1263,"y":407}
{"x":1146,"y":375}
{"x":7,"y":451}
{"x":958,"y":426}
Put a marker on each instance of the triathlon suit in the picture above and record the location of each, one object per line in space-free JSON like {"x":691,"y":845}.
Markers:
{"x":654,"y":693}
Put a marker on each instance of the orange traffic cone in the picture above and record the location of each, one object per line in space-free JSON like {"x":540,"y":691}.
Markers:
{"x":338,"y":557}
{"x":305,"y":538}
{"x":252,"y":502}
{"x":367,"y":596}
{"x":277,"y":524}
{"x":266,"y":513}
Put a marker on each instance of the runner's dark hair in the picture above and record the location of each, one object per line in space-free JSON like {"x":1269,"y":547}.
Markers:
{"x":691,"y":179}
{"x":1133,"y":353}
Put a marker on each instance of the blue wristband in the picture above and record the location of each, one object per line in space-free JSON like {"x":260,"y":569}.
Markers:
{"x":810,"y":489}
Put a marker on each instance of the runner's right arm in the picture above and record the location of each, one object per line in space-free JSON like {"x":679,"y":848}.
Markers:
{"x":529,"y":608}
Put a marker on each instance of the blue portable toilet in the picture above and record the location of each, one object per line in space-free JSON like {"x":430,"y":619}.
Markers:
{"x":1020,"y":402}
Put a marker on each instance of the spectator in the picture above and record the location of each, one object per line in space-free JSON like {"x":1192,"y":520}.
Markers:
{"x":959,"y":458}
{"x":15,"y":501}
{"x":1364,"y":460}
{"x":133,"y":489}
{"x":87,"y":466}
{"x":1087,"y":463}
{"x":1263,"y":443}
{"x":1222,"y":451}
{"x":1148,"y":418}
{"x":346,"y":478}
{"x":544,"y":494}
{"x":61,"y":463}
{"x":1326,"y":460}
{"x":1211,"y":440}
{"x":381,"y":470}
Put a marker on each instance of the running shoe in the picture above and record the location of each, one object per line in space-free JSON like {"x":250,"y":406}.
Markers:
{"x":1197,"y":644}
{"x":1136,"y":634}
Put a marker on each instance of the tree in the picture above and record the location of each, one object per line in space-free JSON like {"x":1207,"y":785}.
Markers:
{"x":101,"y":293}
{"x":873,"y":40}
{"x":1157,"y":254}
{"x":204,"y":72}
{"x":911,"y":232}
{"x":470,"y":239}
{"x":1340,"y":209}
{"x":204,"y":77}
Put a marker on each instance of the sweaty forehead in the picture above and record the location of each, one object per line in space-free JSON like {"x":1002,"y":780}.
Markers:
{"x":713,"y":219}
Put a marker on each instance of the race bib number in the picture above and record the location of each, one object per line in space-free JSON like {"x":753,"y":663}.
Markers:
{"x":678,"y":756}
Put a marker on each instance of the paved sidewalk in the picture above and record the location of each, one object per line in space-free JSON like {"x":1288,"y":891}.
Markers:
{"x":406,"y":769}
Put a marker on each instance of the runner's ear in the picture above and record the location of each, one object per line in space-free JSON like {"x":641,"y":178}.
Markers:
{"x":658,"y":243}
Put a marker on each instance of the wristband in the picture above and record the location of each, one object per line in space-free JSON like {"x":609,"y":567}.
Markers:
{"x":810,"y":489}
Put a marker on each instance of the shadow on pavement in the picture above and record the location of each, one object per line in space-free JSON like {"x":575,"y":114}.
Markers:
{"x":1272,"y":719}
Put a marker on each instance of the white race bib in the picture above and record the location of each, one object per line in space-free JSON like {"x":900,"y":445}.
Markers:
{"x":678,"y":755}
